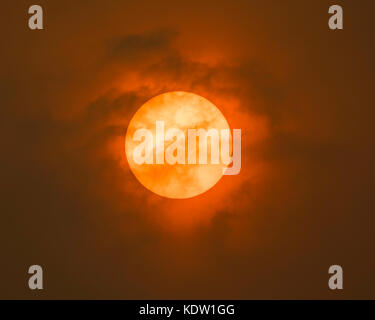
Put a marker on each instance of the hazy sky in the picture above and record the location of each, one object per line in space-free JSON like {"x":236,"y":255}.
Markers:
{"x":302,"y":94}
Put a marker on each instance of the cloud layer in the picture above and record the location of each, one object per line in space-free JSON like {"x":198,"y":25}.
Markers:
{"x":301,"y":203}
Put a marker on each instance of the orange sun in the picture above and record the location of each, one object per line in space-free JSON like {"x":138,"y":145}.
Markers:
{"x":182,"y":111}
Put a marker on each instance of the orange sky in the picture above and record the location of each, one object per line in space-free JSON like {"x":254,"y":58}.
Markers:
{"x":302,"y":95}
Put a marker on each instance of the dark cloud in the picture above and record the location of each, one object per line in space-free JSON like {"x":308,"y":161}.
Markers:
{"x":136,"y":47}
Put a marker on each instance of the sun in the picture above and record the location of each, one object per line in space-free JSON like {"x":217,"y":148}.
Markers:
{"x":182,"y":111}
